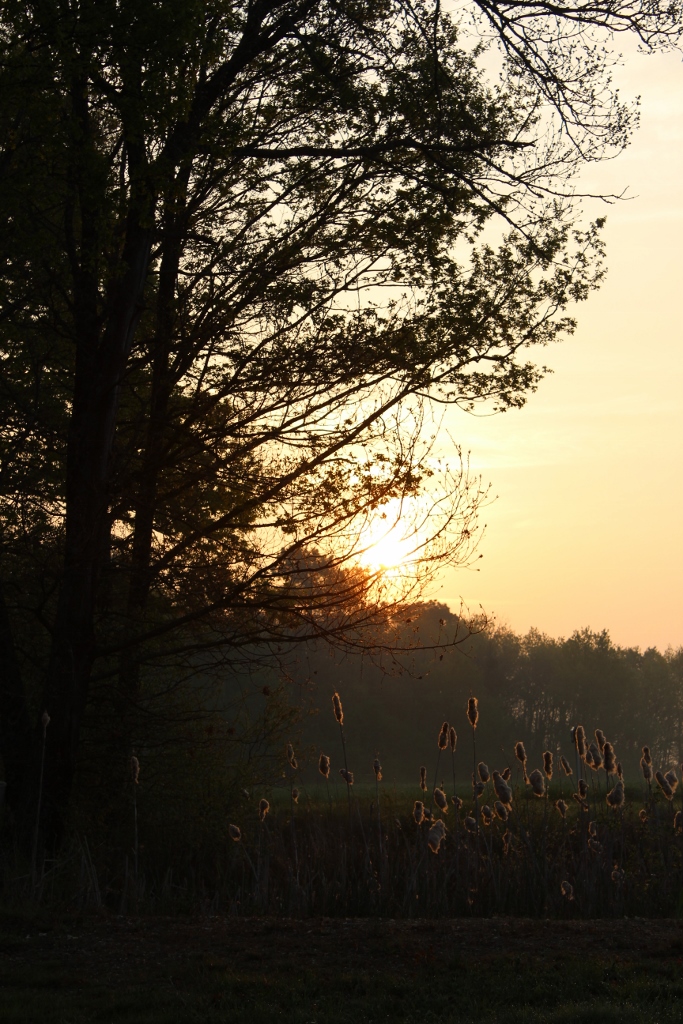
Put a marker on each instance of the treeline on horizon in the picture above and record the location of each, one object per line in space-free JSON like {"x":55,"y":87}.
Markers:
{"x":531,"y":687}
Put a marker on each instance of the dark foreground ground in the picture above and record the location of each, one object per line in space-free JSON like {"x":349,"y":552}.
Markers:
{"x":158,"y":970}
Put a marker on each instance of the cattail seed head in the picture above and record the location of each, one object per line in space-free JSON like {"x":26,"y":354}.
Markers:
{"x":295,"y":794}
{"x":596,"y":757}
{"x":642,"y":814}
{"x":672,"y":779}
{"x":452,"y":738}
{"x":419,"y":811}
{"x":580,"y":801}
{"x":620,"y":771}
{"x":537,"y":783}
{"x":483,"y":771}
{"x":477,"y":787}
{"x":471,"y":823}
{"x":377,"y":769}
{"x":593,"y":829}
{"x":473,"y":711}
{"x":441,"y":800}
{"x":566,"y":767}
{"x":583,"y":788}
{"x":503,"y":791}
{"x":442,"y":741}
{"x":486,"y":814}
{"x":580,"y":740}
{"x":506,"y":774}
{"x":436,"y":835}
{"x":135,"y":769}
{"x":678,"y":822}
{"x":337,"y":707}
{"x":548,"y":764}
{"x":609,"y":758}
{"x":600,"y":737}
{"x":567,"y":891}
{"x":561,"y":807}
{"x":234,"y":833}
{"x":423,"y":778}
{"x":501,"y":810}
{"x":263,"y":808}
{"x":615,"y":797}
{"x":646,"y":769}
{"x":324,"y":766}
{"x":507,"y":842}
{"x":457,"y":802}
{"x":290,"y":756}
{"x":647,"y":756}
{"x":664,"y":785}
{"x":520,"y":753}
{"x":346,"y":776}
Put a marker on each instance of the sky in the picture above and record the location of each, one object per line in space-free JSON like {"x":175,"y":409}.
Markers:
{"x":586,"y":528}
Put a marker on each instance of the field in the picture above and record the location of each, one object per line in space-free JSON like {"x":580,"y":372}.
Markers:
{"x":110,"y":970}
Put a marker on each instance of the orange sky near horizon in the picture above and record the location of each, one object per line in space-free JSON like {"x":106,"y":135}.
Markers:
{"x":586,"y":529}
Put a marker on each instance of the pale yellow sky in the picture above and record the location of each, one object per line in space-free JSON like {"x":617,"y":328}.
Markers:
{"x":587,"y":528}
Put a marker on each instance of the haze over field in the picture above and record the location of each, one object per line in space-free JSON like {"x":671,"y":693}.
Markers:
{"x":586,"y":530}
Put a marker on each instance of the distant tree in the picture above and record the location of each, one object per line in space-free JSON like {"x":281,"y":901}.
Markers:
{"x":242,"y":245}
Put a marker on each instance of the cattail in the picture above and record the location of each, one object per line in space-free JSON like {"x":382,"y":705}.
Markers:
{"x":615,"y":797}
{"x":473,"y":711}
{"x":520,"y":754}
{"x":561,"y":807}
{"x":428,"y":814}
{"x":609,"y":758}
{"x":678,"y":822}
{"x":672,"y":779}
{"x":567,"y":891}
{"x":477,"y":787}
{"x":506,"y":774}
{"x":548,"y":764}
{"x":291,"y":758}
{"x":537,"y":783}
{"x":324,"y":766}
{"x":419,"y":811}
{"x":337,"y":706}
{"x":618,"y":875}
{"x":441,"y":800}
{"x":503,"y":791}
{"x":234,"y":833}
{"x":452,"y":738}
{"x":663,"y":784}
{"x":566,"y":767}
{"x":471,"y":824}
{"x":647,"y":756}
{"x":135,"y":769}
{"x":620,"y":771}
{"x":580,"y":801}
{"x":642,"y":814}
{"x":596,"y":757}
{"x":483,"y":770}
{"x":507,"y":842}
{"x":600,"y":737}
{"x":443,"y":737}
{"x":346,"y":776}
{"x":646,"y":768}
{"x":377,"y":768}
{"x":423,"y":778}
{"x":588,"y":759}
{"x":263,"y":808}
{"x":501,"y":810}
{"x":583,"y":789}
{"x":486,"y":814}
{"x":435,"y":836}
{"x":295,"y":794}
{"x":580,"y":741}
{"x":457,"y":802}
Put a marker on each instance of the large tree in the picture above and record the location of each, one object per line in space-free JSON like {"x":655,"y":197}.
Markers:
{"x":243,"y":244}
